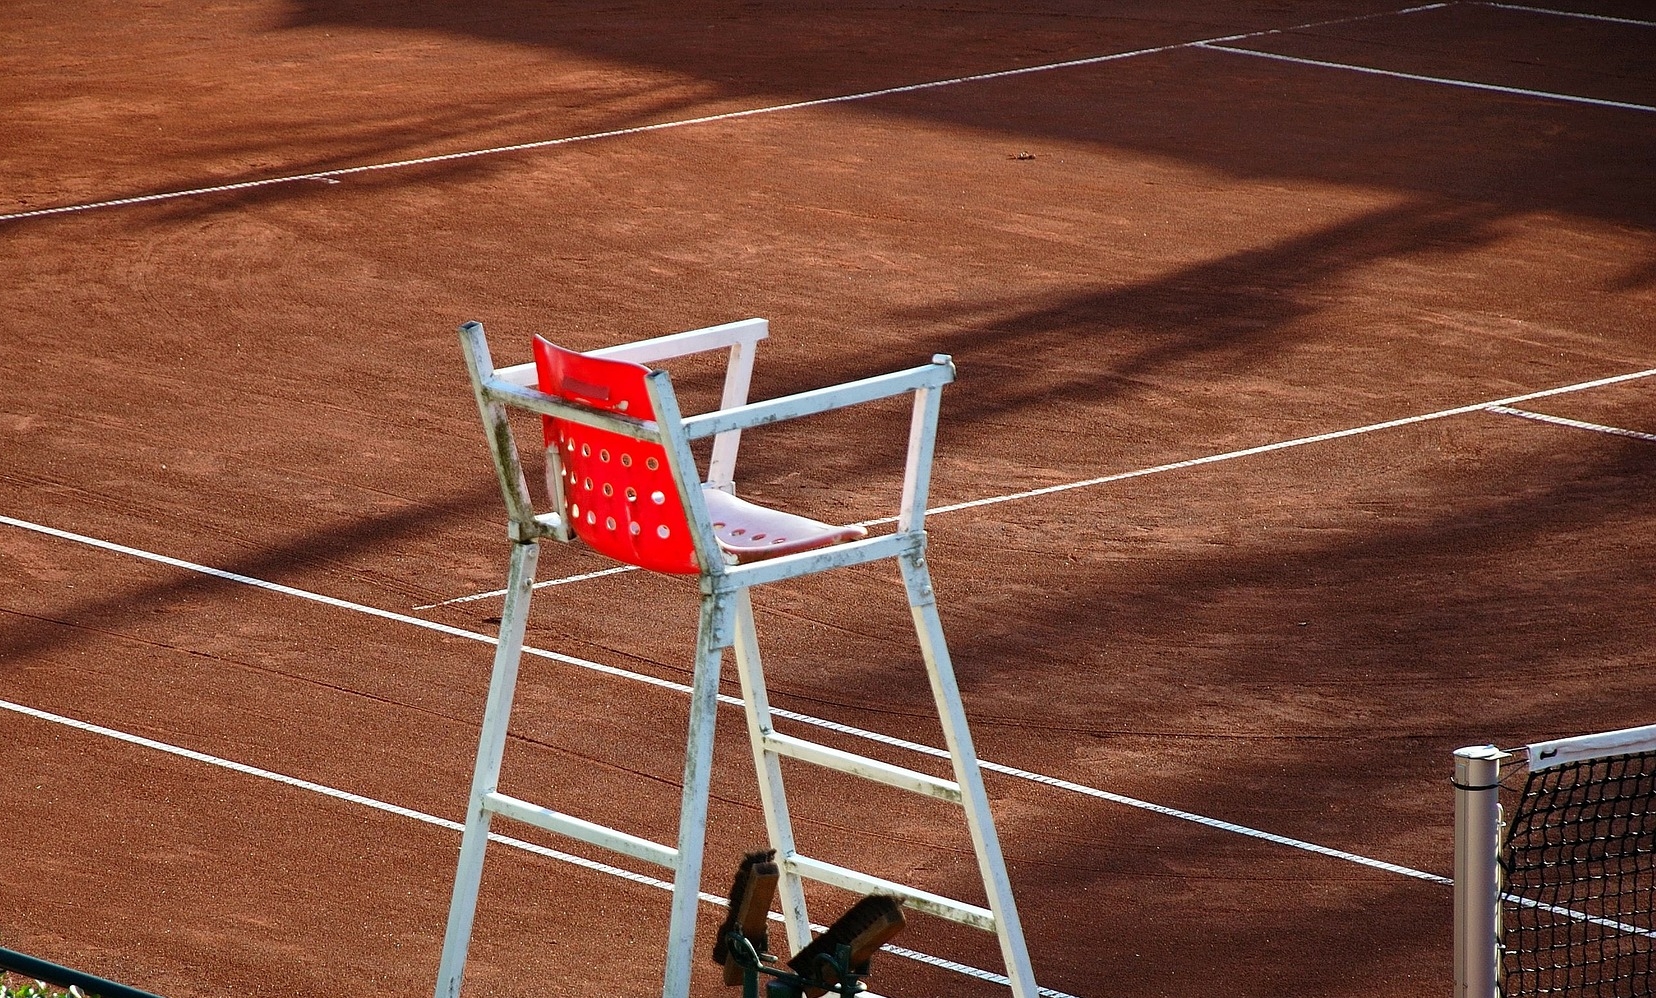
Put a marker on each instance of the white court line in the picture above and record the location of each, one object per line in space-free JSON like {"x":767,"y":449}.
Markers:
{"x":455,"y":826}
{"x":1193,"y":462}
{"x":1576,"y":423}
{"x":847,"y":729}
{"x":1446,"y":81}
{"x":1626,"y":928}
{"x":1571,"y":13}
{"x":730,"y":701}
{"x":683,"y":122}
{"x":566,"y":580}
{"x":639,"y":878}
{"x":1390,"y":424}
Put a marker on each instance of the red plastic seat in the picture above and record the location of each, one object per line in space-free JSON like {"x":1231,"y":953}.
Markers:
{"x":619,"y":493}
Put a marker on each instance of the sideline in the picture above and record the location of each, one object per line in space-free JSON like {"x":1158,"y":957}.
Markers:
{"x":1418,"y":78}
{"x":455,"y":826}
{"x":725,"y":699}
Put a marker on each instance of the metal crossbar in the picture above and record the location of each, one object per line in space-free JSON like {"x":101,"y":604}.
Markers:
{"x":863,"y":766}
{"x":726,"y":621}
{"x":52,"y":973}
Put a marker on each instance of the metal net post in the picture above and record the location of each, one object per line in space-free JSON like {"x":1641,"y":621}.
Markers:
{"x":1477,"y":880}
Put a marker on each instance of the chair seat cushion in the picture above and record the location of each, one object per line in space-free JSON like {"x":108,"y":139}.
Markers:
{"x":750,"y":531}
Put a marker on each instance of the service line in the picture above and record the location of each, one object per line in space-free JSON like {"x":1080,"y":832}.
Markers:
{"x":1121,"y":476}
{"x":1542,"y":417}
{"x":332,"y":175}
{"x":1416,"y":77}
{"x":1570,"y":13}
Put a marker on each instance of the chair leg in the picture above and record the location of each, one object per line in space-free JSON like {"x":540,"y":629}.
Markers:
{"x":991,"y":864}
{"x":778,"y":824}
{"x":497,"y":713}
{"x":711,"y":639}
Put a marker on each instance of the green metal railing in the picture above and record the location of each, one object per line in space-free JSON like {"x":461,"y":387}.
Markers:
{"x":52,"y":973}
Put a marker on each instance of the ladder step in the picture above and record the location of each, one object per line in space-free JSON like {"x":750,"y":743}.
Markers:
{"x":862,"y":883}
{"x":585,"y":831}
{"x":868,"y":769}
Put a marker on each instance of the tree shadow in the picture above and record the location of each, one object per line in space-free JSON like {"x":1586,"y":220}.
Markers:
{"x":1638,"y":277}
{"x":1244,"y":117}
{"x":435,"y":148}
{"x":1498,"y":599}
{"x":1057,"y":360}
{"x":1462,"y":607}
{"x":29,"y":636}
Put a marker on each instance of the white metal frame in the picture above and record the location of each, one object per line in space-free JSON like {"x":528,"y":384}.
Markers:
{"x":726,"y":620}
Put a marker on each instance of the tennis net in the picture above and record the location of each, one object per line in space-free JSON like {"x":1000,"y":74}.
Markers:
{"x":1567,"y":892}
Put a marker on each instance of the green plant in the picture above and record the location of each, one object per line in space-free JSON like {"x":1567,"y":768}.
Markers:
{"x":36,"y":989}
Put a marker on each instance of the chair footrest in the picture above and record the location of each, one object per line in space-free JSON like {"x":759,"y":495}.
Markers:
{"x":862,"y":883}
{"x":584,"y":831}
{"x":858,"y":765}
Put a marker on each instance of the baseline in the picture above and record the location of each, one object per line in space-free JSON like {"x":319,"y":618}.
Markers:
{"x":330,"y":175}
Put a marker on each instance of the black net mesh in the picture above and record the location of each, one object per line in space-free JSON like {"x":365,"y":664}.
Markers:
{"x":1580,"y":891}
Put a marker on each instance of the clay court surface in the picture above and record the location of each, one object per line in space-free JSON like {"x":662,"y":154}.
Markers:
{"x":1184,"y":252}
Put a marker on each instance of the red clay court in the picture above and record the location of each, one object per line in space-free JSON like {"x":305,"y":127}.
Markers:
{"x":1302,"y":435}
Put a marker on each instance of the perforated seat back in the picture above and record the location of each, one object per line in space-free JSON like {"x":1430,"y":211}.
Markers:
{"x":619,"y":492}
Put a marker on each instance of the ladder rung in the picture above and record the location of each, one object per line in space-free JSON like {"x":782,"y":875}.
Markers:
{"x":862,"y":883}
{"x":868,"y":769}
{"x":586,"y":831}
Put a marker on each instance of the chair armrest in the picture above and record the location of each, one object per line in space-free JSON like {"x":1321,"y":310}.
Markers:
{"x":934,"y":375}
{"x":521,"y":375}
{"x":729,"y":334}
{"x":646,"y":352}
{"x":925,"y":383}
